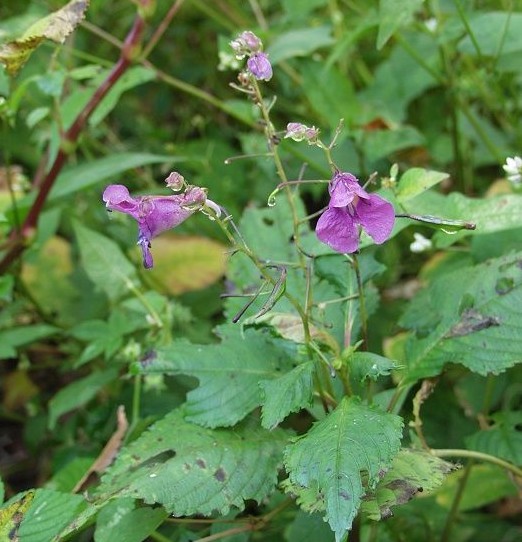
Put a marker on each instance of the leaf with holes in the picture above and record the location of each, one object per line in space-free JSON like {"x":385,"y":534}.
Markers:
{"x":229,"y":372}
{"x":193,"y":470}
{"x":342,"y":457}
{"x":473,"y":316}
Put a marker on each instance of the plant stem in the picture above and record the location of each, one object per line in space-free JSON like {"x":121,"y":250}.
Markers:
{"x":362,"y":302}
{"x":158,"y":537}
{"x":480,"y":456}
{"x":162,"y":27}
{"x":452,"y":515}
{"x":19,"y":238}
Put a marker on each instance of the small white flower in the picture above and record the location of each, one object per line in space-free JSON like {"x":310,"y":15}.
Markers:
{"x":431,"y":24}
{"x":421,"y":244}
{"x":513,"y":168}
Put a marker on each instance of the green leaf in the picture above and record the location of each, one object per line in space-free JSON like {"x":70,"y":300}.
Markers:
{"x":192,"y":470}
{"x":412,"y":472}
{"x":68,"y":476}
{"x":301,"y":42}
{"x":485,"y":484}
{"x":10,"y":339}
{"x":13,"y":512}
{"x":393,"y":14}
{"x":414,"y":181}
{"x":474,"y":317}
{"x":119,"y":521}
{"x":503,"y":440}
{"x":367,"y":365}
{"x":288,"y":393}
{"x":104,"y":262}
{"x":49,"y":512}
{"x":353,"y":443}
{"x":229,"y":372}
{"x":55,"y":27}
{"x":78,"y":393}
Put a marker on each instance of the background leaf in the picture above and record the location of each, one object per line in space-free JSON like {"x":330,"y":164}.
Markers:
{"x":392,"y":15}
{"x":192,"y":470}
{"x":351,"y":442}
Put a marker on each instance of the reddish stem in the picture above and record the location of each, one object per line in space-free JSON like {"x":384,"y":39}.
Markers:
{"x":20,"y":237}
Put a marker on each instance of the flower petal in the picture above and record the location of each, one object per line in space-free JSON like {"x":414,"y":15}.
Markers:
{"x":376,"y":216}
{"x":161,"y":213}
{"x":117,"y":198}
{"x":343,"y":188}
{"x":337,"y":228}
{"x":144,"y":243}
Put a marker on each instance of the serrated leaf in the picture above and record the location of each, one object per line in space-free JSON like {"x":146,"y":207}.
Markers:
{"x":414,"y":181}
{"x":229,"y":373}
{"x":412,"y":472}
{"x":365,"y":365}
{"x":104,"y":262}
{"x":288,"y":393}
{"x":192,"y":470}
{"x":475,"y":319}
{"x":393,"y":14}
{"x":55,"y":27}
{"x":13,"y":512}
{"x":119,"y":521}
{"x":48,"y":513}
{"x":78,"y":393}
{"x":503,"y":440}
{"x":352,"y":442}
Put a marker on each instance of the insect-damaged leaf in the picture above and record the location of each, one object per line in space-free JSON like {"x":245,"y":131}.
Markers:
{"x":193,"y":470}
{"x":55,"y":27}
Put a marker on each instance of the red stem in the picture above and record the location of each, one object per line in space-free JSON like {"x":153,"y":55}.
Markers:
{"x":128,"y":53}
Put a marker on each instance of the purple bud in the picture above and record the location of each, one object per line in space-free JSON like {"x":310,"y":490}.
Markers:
{"x":245,"y":44}
{"x":260,"y":67}
{"x":175,"y":181}
{"x":300,"y":132}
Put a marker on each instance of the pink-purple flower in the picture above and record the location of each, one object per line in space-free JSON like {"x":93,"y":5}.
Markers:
{"x":156,"y":214}
{"x":350,"y":207}
{"x":259,"y":66}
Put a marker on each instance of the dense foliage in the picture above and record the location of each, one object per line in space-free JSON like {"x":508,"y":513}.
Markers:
{"x":319,"y":334}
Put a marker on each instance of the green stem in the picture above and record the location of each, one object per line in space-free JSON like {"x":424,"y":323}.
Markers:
{"x":452,"y":515}
{"x":144,"y":301}
{"x":158,"y":537}
{"x":362,"y":302}
{"x":480,"y":456}
{"x":136,"y":401}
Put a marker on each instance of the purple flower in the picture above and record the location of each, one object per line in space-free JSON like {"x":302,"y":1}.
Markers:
{"x":154,"y":214}
{"x":351,"y":206}
{"x":300,"y":132}
{"x":260,"y":67}
{"x":246,"y":43}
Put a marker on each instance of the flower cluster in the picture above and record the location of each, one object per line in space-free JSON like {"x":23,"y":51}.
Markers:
{"x":301,"y":132}
{"x":513,"y":168}
{"x":156,"y":214}
{"x":247,"y":44}
{"x":351,"y":206}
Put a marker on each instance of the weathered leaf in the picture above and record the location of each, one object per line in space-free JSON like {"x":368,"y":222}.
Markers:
{"x":192,"y":470}
{"x":229,"y":372}
{"x":288,"y":393}
{"x":412,"y":472}
{"x":186,"y":263}
{"x":13,"y":512}
{"x":56,"y":27}
{"x":119,"y":521}
{"x":474,"y":317}
{"x":354,"y":442}
{"x":104,"y":262}
{"x":48,"y":513}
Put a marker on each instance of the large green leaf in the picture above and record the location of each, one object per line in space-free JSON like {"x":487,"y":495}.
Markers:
{"x":416,"y":180}
{"x":473,"y":316}
{"x":229,"y":372}
{"x":300,"y":42}
{"x":192,"y":470}
{"x":10,"y":339}
{"x":48,"y":513}
{"x":412,"y":472}
{"x":104,"y":262}
{"x":288,"y":393}
{"x":353,"y":443}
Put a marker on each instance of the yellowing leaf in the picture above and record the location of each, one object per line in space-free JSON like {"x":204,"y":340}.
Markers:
{"x":186,"y":263}
{"x":55,"y":26}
